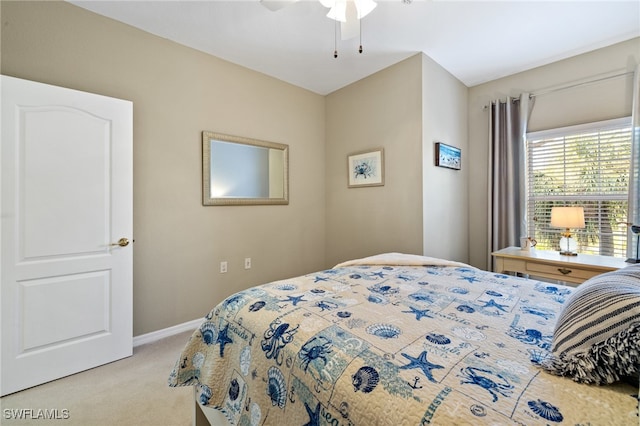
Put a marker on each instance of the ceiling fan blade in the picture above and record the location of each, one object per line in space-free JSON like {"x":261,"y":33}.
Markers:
{"x":274,"y":5}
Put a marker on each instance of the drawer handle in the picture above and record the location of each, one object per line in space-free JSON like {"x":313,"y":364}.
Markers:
{"x":564,"y":271}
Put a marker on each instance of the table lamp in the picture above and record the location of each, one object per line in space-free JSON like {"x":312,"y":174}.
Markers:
{"x":567,"y":217}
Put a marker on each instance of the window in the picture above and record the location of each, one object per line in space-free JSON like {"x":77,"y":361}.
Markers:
{"x":586,"y":165}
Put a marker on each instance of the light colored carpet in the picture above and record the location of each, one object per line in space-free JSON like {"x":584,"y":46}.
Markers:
{"x":129,"y":392}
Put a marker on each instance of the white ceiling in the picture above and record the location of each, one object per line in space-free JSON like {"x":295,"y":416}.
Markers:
{"x":476,"y":41}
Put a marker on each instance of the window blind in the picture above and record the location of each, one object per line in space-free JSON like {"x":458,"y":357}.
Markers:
{"x":586,"y":165}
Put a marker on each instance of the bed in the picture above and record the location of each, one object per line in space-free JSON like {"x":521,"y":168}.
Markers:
{"x":399,"y":339}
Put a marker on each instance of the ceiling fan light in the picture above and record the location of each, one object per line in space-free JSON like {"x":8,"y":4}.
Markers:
{"x":364,"y":7}
{"x":338,"y":11}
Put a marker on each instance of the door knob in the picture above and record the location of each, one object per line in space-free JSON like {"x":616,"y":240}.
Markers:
{"x":122,"y":242}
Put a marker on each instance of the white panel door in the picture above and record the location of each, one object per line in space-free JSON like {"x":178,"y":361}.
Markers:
{"x":66,"y":227}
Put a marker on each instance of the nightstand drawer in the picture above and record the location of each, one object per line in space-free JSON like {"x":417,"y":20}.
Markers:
{"x":561,"y":271}
{"x":515,"y":265}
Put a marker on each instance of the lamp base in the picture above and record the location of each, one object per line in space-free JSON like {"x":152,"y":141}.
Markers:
{"x":632,"y":260}
{"x":568,"y":246}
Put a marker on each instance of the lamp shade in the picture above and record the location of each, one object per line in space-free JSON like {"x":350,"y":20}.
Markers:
{"x":567,"y":217}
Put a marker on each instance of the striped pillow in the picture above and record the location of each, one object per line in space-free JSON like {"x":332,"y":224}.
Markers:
{"x":597,"y":336}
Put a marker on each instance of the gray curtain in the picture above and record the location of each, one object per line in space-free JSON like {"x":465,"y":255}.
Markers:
{"x":507,"y":171}
{"x":634,"y":181}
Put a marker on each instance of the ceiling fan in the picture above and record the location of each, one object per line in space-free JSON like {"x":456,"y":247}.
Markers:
{"x":347,"y":12}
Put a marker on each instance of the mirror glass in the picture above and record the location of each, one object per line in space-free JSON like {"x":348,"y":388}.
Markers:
{"x":242,"y":171}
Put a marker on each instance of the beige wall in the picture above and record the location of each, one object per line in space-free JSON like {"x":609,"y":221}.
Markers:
{"x":382,"y":110}
{"x":591,"y":102}
{"x":421,"y":208}
{"x":445,"y":209}
{"x":177,"y":93}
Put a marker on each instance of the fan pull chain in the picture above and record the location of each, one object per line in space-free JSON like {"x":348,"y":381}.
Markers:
{"x":335,"y":38}
{"x":360,"y":28}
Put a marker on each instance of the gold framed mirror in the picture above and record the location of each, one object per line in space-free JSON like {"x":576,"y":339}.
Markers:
{"x":243,"y":171}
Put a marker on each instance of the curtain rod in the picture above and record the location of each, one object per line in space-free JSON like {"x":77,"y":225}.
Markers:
{"x":573,"y":85}
{"x":582,"y":83}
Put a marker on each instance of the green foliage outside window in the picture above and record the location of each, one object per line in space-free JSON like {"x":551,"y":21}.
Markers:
{"x":589,"y":169}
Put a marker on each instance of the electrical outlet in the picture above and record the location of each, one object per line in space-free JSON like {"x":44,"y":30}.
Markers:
{"x":247,"y":263}
{"x":223,"y":267}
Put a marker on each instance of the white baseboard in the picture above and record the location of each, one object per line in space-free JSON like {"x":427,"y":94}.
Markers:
{"x":166,"y":332}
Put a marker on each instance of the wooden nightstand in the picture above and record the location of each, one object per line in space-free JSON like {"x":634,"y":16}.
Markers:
{"x":552,"y":265}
